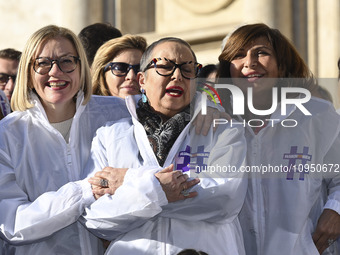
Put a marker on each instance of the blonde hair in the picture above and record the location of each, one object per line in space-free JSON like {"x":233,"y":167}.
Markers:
{"x":106,"y":53}
{"x":21,"y":96}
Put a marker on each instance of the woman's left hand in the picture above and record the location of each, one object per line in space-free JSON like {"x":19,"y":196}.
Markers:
{"x":107,"y":181}
{"x":204,"y":122}
{"x":327,"y":230}
{"x":175,"y":184}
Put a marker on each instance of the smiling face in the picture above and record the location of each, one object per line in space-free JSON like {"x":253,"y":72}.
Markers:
{"x":124,"y":85}
{"x":257,"y":67}
{"x":168,"y":95}
{"x":56,"y":88}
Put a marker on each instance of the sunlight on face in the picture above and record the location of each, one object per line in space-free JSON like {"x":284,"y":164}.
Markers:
{"x":57,"y":88}
{"x":168,"y":95}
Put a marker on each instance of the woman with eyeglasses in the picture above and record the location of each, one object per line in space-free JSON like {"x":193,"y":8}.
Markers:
{"x":201,"y":210}
{"x":115,"y":66}
{"x":44,"y":146}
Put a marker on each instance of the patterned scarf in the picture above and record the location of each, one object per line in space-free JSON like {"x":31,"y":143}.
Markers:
{"x":161,"y":135}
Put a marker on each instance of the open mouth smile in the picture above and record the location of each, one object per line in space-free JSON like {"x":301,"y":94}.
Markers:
{"x":253,"y":77}
{"x":57,"y":85}
{"x":174,"y":91}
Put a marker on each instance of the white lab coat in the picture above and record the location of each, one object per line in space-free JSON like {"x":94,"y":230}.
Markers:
{"x":143,"y":222}
{"x":41,"y":196}
{"x":281,"y":211}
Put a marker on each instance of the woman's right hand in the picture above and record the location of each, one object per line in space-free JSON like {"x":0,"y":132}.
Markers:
{"x":113,"y":177}
{"x":175,"y":183}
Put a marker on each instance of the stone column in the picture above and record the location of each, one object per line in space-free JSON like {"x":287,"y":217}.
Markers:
{"x":135,"y":16}
{"x":328,"y":37}
{"x":259,"y":11}
{"x":276,"y":14}
{"x":312,"y":36}
{"x":77,"y":14}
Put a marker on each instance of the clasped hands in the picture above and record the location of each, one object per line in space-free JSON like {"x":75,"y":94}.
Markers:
{"x":174,"y":183}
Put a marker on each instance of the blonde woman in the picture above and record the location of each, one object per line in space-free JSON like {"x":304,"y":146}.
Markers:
{"x":44,"y":145}
{"x":116,"y":65}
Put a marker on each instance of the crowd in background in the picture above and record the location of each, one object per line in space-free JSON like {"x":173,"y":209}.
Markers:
{"x":103,"y":146}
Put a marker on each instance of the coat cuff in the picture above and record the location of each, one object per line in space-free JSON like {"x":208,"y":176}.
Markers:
{"x":333,"y":205}
{"x":86,"y":191}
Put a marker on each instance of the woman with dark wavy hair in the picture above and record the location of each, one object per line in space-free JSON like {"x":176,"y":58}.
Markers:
{"x":292,"y":206}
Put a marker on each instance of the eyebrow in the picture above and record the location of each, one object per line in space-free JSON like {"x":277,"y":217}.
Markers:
{"x":259,"y":47}
{"x":60,"y":56}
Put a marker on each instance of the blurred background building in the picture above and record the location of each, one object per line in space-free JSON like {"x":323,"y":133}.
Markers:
{"x":312,"y":25}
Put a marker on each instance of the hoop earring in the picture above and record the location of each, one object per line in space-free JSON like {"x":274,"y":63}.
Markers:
{"x":144,"y":98}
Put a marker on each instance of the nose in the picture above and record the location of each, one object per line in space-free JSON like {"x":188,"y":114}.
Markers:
{"x":54,"y":69}
{"x":177,"y":74}
{"x":250,"y":60}
{"x":10,"y":85}
{"x":131,"y":74}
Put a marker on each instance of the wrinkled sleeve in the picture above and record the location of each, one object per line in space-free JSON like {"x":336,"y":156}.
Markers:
{"x":138,"y":199}
{"x":23,"y":221}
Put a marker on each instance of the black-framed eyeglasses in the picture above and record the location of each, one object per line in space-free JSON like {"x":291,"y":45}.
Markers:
{"x":66,"y":64}
{"x":166,"y":67}
{"x":121,"y":69}
{"x":4,"y":78}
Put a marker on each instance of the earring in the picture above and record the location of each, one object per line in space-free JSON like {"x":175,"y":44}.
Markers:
{"x":144,"y":98}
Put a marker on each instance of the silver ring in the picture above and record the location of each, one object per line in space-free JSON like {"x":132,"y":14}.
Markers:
{"x":104,"y":183}
{"x":185,"y":192}
{"x":330,"y":241}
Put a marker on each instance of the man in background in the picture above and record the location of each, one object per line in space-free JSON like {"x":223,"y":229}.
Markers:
{"x":9,"y":61}
{"x":94,"y":36}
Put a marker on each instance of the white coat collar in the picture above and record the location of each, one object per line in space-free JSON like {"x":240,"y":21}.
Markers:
{"x":39,"y":111}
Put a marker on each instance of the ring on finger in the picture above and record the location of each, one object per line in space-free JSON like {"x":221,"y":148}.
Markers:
{"x":184,"y":191}
{"x":330,"y":241}
{"x":104,"y":183}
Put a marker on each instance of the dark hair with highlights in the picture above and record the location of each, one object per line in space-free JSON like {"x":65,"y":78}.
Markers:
{"x":290,"y":63}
